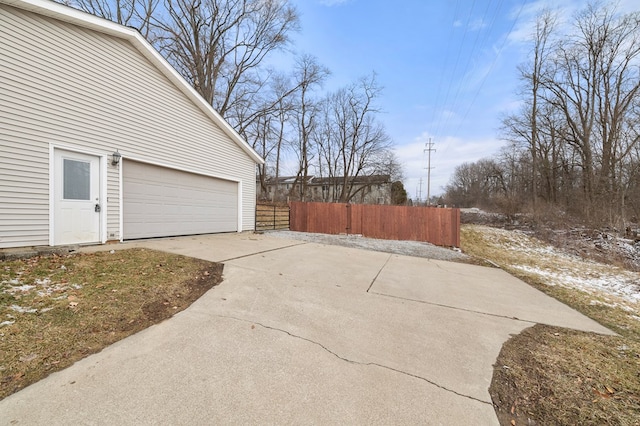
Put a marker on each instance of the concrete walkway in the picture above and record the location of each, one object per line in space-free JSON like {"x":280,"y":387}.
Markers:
{"x":302,"y":333}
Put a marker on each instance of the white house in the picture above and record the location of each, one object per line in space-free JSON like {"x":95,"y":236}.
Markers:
{"x":101,"y":139}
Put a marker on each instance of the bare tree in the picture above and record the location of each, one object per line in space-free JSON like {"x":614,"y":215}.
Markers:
{"x":261,"y":134}
{"x":267,"y":125}
{"x":310,"y":76}
{"x":478,"y":184}
{"x":219,"y":45}
{"x":387,"y":163}
{"x":581,"y":114}
{"x":351,"y":139}
{"x":132,"y":13}
{"x":532,"y":75}
{"x":281,"y":119}
{"x":595,"y":85}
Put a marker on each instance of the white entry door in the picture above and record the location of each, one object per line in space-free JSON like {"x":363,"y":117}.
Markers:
{"x":77,"y":207}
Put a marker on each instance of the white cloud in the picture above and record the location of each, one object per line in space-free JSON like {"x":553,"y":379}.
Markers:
{"x":566,"y":11}
{"x":477,"y":24}
{"x":512,"y":105}
{"x":525,"y":27}
{"x":449,"y":153}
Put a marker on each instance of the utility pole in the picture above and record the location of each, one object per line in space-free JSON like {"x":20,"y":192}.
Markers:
{"x":428,"y":148}
{"x":419,"y":197}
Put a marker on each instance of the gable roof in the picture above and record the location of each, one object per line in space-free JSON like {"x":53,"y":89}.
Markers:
{"x":86,"y":20}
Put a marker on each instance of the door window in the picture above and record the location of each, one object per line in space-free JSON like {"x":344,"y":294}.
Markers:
{"x":76,"y":180}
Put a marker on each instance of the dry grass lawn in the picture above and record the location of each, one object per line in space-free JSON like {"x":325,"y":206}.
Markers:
{"x":55,"y":310}
{"x":553,"y":376}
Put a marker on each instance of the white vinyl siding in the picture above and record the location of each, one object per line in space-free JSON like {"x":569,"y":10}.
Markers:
{"x":24,"y":188}
{"x":112,"y":203}
{"x":79,"y":89}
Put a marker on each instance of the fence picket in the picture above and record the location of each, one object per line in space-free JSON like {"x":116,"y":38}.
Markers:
{"x":439,"y":226}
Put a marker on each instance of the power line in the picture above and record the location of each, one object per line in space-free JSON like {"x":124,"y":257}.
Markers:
{"x":495,"y":60}
{"x":455,"y":66}
{"x":466,"y":66}
{"x":477,"y":46}
{"x":446,"y":63}
{"x":455,"y":104}
{"x":440,"y":124}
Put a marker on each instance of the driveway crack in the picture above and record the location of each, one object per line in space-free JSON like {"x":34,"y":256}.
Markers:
{"x":380,"y":271}
{"x":350,"y":361}
{"x":457,"y":308}
{"x":263,"y":251}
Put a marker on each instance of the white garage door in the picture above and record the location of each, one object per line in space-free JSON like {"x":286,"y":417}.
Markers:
{"x":161,"y":202}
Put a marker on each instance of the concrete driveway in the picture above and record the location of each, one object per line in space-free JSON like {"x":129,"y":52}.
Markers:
{"x":302,"y":333}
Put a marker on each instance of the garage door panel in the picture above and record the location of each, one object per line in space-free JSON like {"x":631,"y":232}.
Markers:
{"x":163,"y":202}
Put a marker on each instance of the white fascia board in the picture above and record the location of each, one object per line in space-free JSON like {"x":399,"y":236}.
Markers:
{"x":86,"y":20}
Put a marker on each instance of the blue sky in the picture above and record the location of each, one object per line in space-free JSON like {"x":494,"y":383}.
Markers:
{"x":448,"y":69}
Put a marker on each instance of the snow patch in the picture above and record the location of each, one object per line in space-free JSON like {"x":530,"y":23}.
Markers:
{"x":624,"y":287}
{"x":24,"y":288}
{"x":556,"y":267}
{"x":23,"y":310}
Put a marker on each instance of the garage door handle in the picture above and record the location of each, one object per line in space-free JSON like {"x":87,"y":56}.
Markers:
{"x":97,"y":209}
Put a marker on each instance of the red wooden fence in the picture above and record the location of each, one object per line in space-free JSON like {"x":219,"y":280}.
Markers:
{"x":439,"y":226}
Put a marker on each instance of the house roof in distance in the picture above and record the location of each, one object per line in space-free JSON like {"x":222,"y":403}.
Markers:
{"x":86,"y":20}
{"x":358,"y":180}
{"x":312,"y":180}
{"x":287,"y":179}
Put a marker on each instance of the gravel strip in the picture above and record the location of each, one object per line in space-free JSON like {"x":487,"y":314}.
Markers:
{"x":407,"y":248}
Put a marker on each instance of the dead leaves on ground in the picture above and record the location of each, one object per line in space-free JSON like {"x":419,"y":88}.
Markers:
{"x":64,"y":308}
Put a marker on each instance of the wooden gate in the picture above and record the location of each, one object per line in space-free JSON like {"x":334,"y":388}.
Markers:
{"x":272,"y":216}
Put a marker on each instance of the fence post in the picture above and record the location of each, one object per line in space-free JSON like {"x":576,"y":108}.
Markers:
{"x":457,"y":227}
{"x":348,"y":218}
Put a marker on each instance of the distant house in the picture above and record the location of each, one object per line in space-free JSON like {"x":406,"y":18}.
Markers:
{"x":101,"y":139}
{"x":375,"y":189}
